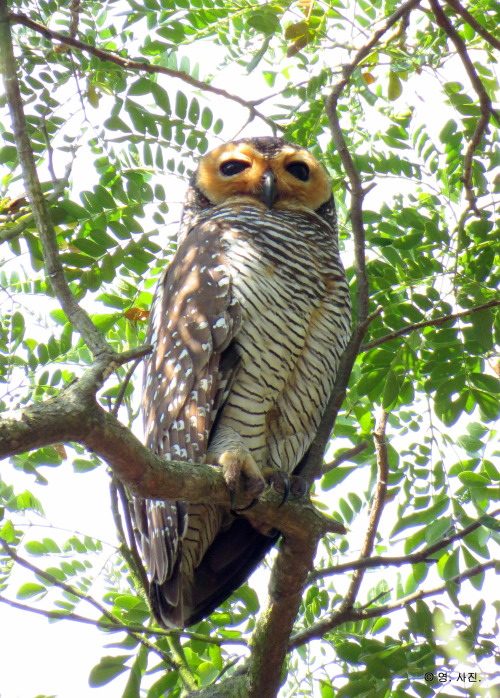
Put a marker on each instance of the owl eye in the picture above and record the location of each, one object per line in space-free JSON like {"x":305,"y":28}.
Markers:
{"x":299,"y":170}
{"x":233,"y":167}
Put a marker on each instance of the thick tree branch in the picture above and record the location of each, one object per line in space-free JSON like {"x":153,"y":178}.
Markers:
{"x":429,"y":323}
{"x":74,"y":415}
{"x":140,"y":64}
{"x":484,"y":100}
{"x":346,"y":615}
{"x":270,"y":640}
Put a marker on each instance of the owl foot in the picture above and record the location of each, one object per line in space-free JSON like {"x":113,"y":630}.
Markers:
{"x":237,"y":463}
{"x":290,"y":486}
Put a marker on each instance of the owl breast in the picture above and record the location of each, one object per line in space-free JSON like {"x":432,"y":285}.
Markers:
{"x":287,"y":278}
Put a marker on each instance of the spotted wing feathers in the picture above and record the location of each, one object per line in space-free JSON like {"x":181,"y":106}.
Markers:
{"x":193,"y":320}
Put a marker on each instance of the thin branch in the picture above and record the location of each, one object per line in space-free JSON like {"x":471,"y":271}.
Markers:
{"x":139,"y":64}
{"x":48,"y":239}
{"x":424,"y":555}
{"x":472,"y":21}
{"x":314,"y":465}
{"x":123,"y":387}
{"x":351,"y":615}
{"x":484,"y":100}
{"x":379,"y":436}
{"x":115,"y":622}
{"x":429,"y":323}
{"x":357,"y":192}
{"x":113,"y":627}
{"x":14,"y":231}
{"x":56,"y":582}
{"x":347,"y":455}
{"x":185,"y":671}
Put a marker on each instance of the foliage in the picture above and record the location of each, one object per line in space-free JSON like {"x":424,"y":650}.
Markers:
{"x":114,"y":145}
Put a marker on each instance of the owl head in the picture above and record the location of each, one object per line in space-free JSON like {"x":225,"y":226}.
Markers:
{"x":267,"y":173}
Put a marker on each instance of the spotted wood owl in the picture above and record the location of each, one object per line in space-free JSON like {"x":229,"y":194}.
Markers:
{"x":248,"y":324}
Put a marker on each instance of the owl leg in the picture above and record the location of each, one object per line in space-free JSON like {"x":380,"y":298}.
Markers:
{"x":236,"y":463}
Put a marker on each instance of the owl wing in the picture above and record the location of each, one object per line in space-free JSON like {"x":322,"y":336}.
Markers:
{"x":192,"y":322}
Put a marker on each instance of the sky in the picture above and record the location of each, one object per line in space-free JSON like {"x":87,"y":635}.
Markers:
{"x":57,"y":657}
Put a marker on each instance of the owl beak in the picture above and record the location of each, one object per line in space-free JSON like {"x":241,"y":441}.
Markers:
{"x":268,"y":188}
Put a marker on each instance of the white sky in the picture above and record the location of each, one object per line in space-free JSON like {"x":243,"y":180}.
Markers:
{"x":60,"y":655}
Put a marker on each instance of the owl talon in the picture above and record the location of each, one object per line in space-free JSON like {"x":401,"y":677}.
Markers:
{"x":298,"y":486}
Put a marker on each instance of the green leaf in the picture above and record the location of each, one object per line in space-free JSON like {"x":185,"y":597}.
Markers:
{"x":391,"y":391}
{"x":181,"y":105}
{"x":471,"y":479}
{"x":29,"y":590}
{"x":107,"y":670}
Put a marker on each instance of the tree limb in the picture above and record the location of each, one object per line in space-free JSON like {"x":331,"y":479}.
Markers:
{"x":74,"y":415}
{"x":397,"y":561}
{"x":48,"y":239}
{"x":380,"y":439}
{"x":429,"y":323}
{"x":484,"y":100}
{"x":472,"y":21}
{"x":140,"y":64}
{"x":346,"y":615}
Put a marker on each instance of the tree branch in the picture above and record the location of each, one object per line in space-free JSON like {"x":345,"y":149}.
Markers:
{"x":89,"y":599}
{"x":346,"y":615}
{"x":48,"y":239}
{"x":140,"y":64}
{"x":484,"y":100}
{"x":346,"y":455}
{"x":356,"y":189}
{"x":472,"y":21}
{"x":429,"y":323}
{"x":269,"y":644}
{"x":380,"y":439}
{"x":74,"y":415}
{"x":397,"y":561}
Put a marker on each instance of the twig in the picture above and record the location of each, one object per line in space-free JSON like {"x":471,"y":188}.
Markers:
{"x":379,"y":436}
{"x":465,"y":14}
{"x":351,"y":615}
{"x":9,"y":233}
{"x":124,"y":385}
{"x":347,"y":455}
{"x":484,"y":100}
{"x":160,"y":632}
{"x":115,"y":622}
{"x":75,"y":314}
{"x":397,"y":561}
{"x":356,"y":189}
{"x":139,"y":64}
{"x":314,"y":465}
{"x":429,"y":323}
{"x":56,"y":582}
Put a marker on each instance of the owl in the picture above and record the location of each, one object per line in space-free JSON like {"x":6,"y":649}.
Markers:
{"x":248,"y":324}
